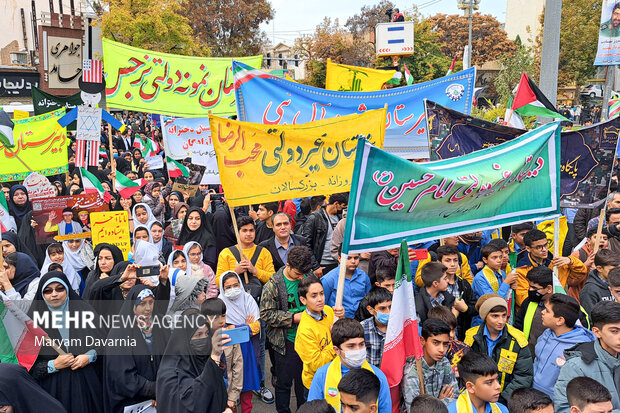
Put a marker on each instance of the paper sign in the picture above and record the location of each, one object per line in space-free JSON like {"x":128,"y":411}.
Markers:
{"x":186,"y":190}
{"x":111,"y":227}
{"x":144,"y":407}
{"x":155,"y":162}
{"x":38,"y":186}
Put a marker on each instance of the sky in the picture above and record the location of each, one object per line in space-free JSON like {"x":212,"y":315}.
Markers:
{"x":294,"y":18}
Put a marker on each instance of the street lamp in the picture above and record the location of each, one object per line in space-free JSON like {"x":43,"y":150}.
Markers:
{"x":468,"y":6}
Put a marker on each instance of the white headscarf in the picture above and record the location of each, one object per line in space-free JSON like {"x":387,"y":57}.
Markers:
{"x":239,"y":309}
{"x":151,"y":218}
{"x":159,"y":244}
{"x":173,"y":275}
{"x":74,"y":258}
{"x":146,"y":254}
{"x":67,"y":268}
{"x":188,"y":271}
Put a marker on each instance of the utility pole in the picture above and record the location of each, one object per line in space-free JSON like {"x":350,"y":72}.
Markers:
{"x":468,"y":7}
{"x":471,"y":18}
{"x":550,"y":52}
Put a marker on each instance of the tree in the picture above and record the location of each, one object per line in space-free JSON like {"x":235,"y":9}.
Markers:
{"x":578,"y":40}
{"x":230,"y":27}
{"x":489,"y":41}
{"x":362,"y":27}
{"x":511,"y":68}
{"x":151,"y":24}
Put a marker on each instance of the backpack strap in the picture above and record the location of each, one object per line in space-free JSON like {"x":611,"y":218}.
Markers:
{"x":257,"y":252}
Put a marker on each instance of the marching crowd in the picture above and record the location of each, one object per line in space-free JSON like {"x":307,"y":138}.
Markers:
{"x":496,"y":335}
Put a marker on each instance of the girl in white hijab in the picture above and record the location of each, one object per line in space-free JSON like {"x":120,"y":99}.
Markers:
{"x":197,"y":268}
{"x":79,"y":254}
{"x":55,"y":253}
{"x":142,"y":215}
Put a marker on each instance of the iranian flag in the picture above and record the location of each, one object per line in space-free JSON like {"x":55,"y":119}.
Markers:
{"x":175,"y":168}
{"x":19,"y":338}
{"x":102,"y":152}
{"x":614,"y":106}
{"x":147,"y":146}
{"x":7,"y":222}
{"x":402,"y":339}
{"x":449,"y":72}
{"x":92,"y":185}
{"x":243,"y":73}
{"x":125,"y":186}
{"x":408,"y":76}
{"x":530,"y":101}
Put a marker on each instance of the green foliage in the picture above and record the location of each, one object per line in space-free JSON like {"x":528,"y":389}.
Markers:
{"x":511,"y":68}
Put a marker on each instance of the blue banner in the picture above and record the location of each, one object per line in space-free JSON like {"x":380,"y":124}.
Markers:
{"x":269,"y":100}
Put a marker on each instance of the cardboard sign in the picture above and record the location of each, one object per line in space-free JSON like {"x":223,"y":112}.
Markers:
{"x":187,"y":190}
{"x":38,"y":186}
{"x":111,"y":227}
{"x":47,"y":212}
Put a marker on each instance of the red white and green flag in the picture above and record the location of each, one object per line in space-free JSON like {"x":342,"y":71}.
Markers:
{"x":20,"y":340}
{"x":243,"y":73}
{"x":92,"y":185}
{"x":125,"y":186}
{"x":408,"y":76}
{"x":7,"y":222}
{"x":175,"y":168}
{"x":147,"y":146}
{"x":102,"y":152}
{"x":614,"y":105}
{"x":449,"y":72}
{"x":530,"y":101}
{"x":402,"y":339}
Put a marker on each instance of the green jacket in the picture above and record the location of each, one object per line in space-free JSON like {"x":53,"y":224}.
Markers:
{"x":274,"y":311}
{"x":523,"y":370}
{"x":607,"y":30}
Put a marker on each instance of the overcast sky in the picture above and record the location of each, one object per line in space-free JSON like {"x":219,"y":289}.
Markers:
{"x":296,"y":17}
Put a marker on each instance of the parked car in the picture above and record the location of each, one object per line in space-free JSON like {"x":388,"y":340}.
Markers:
{"x":593,"y":91}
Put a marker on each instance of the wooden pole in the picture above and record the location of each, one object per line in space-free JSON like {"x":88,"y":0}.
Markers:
{"x":112,"y":161}
{"x":18,"y":158}
{"x":418,"y":367}
{"x":341,"y":274}
{"x":599,"y":230}
{"x":234,"y":221}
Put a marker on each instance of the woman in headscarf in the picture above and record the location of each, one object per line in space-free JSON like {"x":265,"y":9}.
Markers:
{"x":154,"y":199}
{"x":55,"y":253}
{"x":106,"y":257}
{"x":20,"y":276}
{"x":156,"y":231}
{"x":12,"y":243}
{"x":20,"y":391}
{"x":114,"y":203}
{"x":190,"y":377}
{"x":193,"y":251}
{"x":174,"y":198}
{"x":142,"y":215}
{"x":241,"y":309}
{"x":173,"y":230}
{"x":60,"y":186}
{"x":137,"y":196}
{"x":79,"y":255}
{"x":196,"y":227}
{"x":129,"y":374}
{"x":19,"y":204}
{"x":71,"y":378}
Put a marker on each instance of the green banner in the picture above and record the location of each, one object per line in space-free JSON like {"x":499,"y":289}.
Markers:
{"x":393,"y":199}
{"x":153,"y":82}
{"x":44,"y":102}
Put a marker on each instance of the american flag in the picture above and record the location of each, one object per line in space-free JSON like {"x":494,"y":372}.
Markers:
{"x":92,"y":71}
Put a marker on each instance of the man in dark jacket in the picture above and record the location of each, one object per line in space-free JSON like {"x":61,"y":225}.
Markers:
{"x":584,"y":215}
{"x":319,"y":228}
{"x":506,"y":345}
{"x":597,"y":286}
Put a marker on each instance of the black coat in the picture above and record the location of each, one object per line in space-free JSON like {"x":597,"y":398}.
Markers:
{"x":315,"y":231}
{"x":423,"y":302}
{"x":270,"y":245}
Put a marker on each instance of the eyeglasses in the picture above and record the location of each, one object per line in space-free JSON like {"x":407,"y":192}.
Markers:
{"x":195,"y":254}
{"x":540,"y":247}
{"x":50,"y":290}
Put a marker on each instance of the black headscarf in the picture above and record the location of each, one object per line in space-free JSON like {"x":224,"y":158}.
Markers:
{"x":18,"y":243}
{"x":94,"y":274}
{"x":19,"y":390}
{"x":187,"y":382}
{"x":202,"y":235}
{"x":63,"y":187}
{"x":26,"y":270}
{"x":19,"y":211}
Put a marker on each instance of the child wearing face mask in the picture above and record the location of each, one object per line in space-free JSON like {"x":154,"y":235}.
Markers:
{"x":241,"y":310}
{"x":379,"y":305}
{"x":350,"y":349}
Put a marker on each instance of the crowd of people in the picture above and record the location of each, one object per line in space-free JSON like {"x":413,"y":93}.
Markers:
{"x":496,"y":335}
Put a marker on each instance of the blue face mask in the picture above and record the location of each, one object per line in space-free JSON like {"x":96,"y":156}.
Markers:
{"x":130,"y":256}
{"x":383,"y":318}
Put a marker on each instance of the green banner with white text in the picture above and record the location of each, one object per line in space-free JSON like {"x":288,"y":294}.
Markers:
{"x":393,"y":199}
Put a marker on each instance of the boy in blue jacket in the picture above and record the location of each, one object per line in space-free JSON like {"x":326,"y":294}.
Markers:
{"x":559,"y":316}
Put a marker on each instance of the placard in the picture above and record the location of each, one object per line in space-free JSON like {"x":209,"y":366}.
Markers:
{"x":111,"y":227}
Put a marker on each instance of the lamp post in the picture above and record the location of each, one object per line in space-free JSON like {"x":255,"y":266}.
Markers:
{"x":468,"y":6}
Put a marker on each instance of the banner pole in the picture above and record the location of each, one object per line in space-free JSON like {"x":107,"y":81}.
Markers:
{"x":234,"y":221}
{"x":556,"y":243}
{"x":599,"y":230}
{"x":418,"y":367}
{"x":112,"y":160}
{"x":341,"y":274}
{"x":18,"y":158}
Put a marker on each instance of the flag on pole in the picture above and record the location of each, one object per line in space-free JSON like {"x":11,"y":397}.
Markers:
{"x":6,"y":130}
{"x":176,"y":168}
{"x":395,"y":80}
{"x":102,"y":152}
{"x":7,"y":222}
{"x":614,"y":105}
{"x":147,"y":146}
{"x":125,"y":186}
{"x":408,"y":76}
{"x":402,"y":339}
{"x":92,"y":185}
{"x":449,"y":72}
{"x":18,"y":335}
{"x":530,"y":101}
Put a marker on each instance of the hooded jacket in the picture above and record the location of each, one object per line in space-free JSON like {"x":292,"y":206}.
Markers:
{"x":187,"y":289}
{"x":550,"y":355}
{"x":595,"y":290}
{"x":590,"y":360}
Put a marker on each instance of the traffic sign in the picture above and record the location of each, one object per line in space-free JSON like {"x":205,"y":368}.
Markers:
{"x":394,"y":39}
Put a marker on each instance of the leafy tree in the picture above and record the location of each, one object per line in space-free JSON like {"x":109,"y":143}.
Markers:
{"x":230,"y":27}
{"x":151,"y":24}
{"x":489,"y":40}
{"x":511,"y":68}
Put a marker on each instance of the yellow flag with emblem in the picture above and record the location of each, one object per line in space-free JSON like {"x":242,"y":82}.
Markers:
{"x":547,"y":228}
{"x":354,"y":78}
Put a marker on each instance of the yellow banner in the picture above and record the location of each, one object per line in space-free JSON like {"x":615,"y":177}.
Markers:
{"x":111,"y":227}
{"x":262,"y":163}
{"x":547,"y":228}
{"x":355,"y":78}
{"x":39,"y":143}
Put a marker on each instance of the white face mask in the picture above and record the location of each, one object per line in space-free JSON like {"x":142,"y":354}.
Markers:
{"x":232,"y":293}
{"x":355,"y":358}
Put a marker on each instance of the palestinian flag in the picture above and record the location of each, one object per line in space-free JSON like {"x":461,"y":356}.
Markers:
{"x":20,"y":340}
{"x":243,"y":73}
{"x":6,"y":130}
{"x":125,"y":186}
{"x":395,"y":80}
{"x":175,"y":168}
{"x":92,"y":185}
{"x":530,"y":101}
{"x":449,"y":72}
{"x":408,"y":76}
{"x":7,"y":222}
{"x":147,"y":146}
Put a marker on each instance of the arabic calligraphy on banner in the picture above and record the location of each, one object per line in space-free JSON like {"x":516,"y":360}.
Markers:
{"x":143,"y":80}
{"x":111,"y":227}
{"x":263,"y":163}
{"x":38,"y":186}
{"x":40,"y":143}
{"x":64,"y":62}
{"x":191,"y":138}
{"x":18,"y":84}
